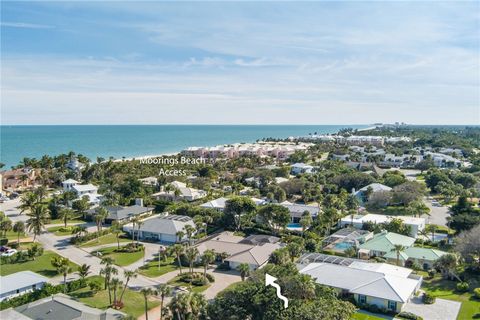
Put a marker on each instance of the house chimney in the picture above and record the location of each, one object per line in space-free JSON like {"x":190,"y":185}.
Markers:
{"x":139,"y":202}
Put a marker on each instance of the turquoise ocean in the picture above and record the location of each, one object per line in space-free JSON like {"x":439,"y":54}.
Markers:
{"x":129,"y":141}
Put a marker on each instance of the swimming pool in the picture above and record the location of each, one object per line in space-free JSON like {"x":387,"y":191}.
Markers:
{"x":342,"y":245}
{"x":294,"y":225}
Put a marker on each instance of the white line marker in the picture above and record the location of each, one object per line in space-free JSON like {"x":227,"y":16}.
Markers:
{"x":270,"y":281}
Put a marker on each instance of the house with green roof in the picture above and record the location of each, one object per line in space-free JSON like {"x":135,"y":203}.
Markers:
{"x":425,"y":257}
{"x":383,"y":243}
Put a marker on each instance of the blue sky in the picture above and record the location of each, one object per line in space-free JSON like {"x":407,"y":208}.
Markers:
{"x":251,"y":62}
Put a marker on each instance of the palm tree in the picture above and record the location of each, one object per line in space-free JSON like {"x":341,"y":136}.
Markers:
{"x":447,"y":265}
{"x":19,"y":228}
{"x":108,"y":272}
{"x":134,"y":222}
{"x":164,"y":291}
{"x":65,"y":213}
{"x":189,"y":231}
{"x":116,"y":230}
{"x":424,"y":235}
{"x":114,"y":284}
{"x":5,"y":226}
{"x":398,"y":248}
{"x":207,"y":258}
{"x":178,"y":249}
{"x":146,"y":292}
{"x":37,"y":219}
{"x":191,"y":254}
{"x":100,"y":216}
{"x":62,"y":265}
{"x":27,"y":202}
{"x":432,"y":228}
{"x":139,"y":224}
{"x":244,"y":269}
{"x":83,"y":271}
{"x":180,"y":235}
{"x":128,"y":274}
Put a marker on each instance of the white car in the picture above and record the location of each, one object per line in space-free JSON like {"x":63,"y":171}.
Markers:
{"x":9,"y":253}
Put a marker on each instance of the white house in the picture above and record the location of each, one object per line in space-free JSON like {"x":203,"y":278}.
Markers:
{"x":69,"y":184}
{"x":298,"y":168}
{"x":217,"y":204}
{"x":379,"y":284}
{"x":161,"y":228}
{"x":297,"y":210}
{"x":416,"y":224}
{"x":20,"y":283}
{"x":88,"y":190}
{"x":374,"y":187}
{"x":180,"y":192}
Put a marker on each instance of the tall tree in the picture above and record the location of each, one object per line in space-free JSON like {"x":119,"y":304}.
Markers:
{"x":146,"y":292}
{"x":191,"y":254}
{"x":244,"y":270}
{"x":19,"y":228}
{"x":83,"y":271}
{"x":178,"y":249}
{"x":164,"y":291}
{"x":398,"y":248}
{"x":37,"y":219}
{"x":207,"y":258}
{"x":128,"y":274}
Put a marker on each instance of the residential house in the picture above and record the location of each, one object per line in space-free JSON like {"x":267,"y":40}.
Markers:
{"x":69,"y":184}
{"x":217,"y":204}
{"x":357,"y":221}
{"x":19,"y":283}
{"x":180,"y":191}
{"x":59,"y":307}
{"x":365,"y":192}
{"x":123,"y":214}
{"x":298,"y":168}
{"x":297,"y":210}
{"x":424,"y":257}
{"x":88,"y":190}
{"x":383,"y":285}
{"x":161,"y":228}
{"x":382,"y":244}
{"x":149,"y":181}
{"x":18,"y":179}
{"x":254,"y":250}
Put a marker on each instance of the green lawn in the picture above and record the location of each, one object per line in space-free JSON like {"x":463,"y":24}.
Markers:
{"x":58,"y":232}
{"x":134,"y":304}
{"x":107,"y":239}
{"x":445,"y":289}
{"x":177,"y":283}
{"x":121,"y":258}
{"x":363,"y":315}
{"x":152,"y":270}
{"x":41,"y":265}
{"x":12,"y":236}
{"x":74,"y":220}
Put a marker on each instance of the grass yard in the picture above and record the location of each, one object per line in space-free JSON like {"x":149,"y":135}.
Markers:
{"x":176,"y":282}
{"x":121,"y":258}
{"x":41,"y":265}
{"x":363,"y":315}
{"x":61,"y":231}
{"x":12,"y":236}
{"x":133,"y":300}
{"x":152,"y":270}
{"x":74,"y":220}
{"x":445,"y":289}
{"x":107,"y":239}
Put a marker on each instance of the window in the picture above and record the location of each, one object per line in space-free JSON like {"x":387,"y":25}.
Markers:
{"x":392,"y":305}
{"x":34,"y":287}
{"x":362,"y":298}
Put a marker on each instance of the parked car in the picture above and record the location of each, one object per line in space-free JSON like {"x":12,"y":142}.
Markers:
{"x":14,"y":195}
{"x":9,"y":253}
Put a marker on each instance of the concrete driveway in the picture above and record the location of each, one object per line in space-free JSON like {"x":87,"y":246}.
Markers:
{"x":438,"y":215}
{"x":440,"y":310}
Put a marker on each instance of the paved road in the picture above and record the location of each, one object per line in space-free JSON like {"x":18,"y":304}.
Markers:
{"x":438,"y":215}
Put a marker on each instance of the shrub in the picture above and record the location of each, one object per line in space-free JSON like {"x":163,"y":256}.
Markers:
{"x":210,"y":277}
{"x":462,"y":286}
{"x":432,"y":273}
{"x":130,"y":247}
{"x":408,"y":315}
{"x":94,"y":286}
{"x":428,"y":298}
{"x":476,"y":293}
{"x":14,"y":245}
{"x":3,"y":241}
{"x":199,"y":282}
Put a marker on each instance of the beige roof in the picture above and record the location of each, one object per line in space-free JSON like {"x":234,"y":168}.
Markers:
{"x":258,"y":255}
{"x":223,"y":246}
